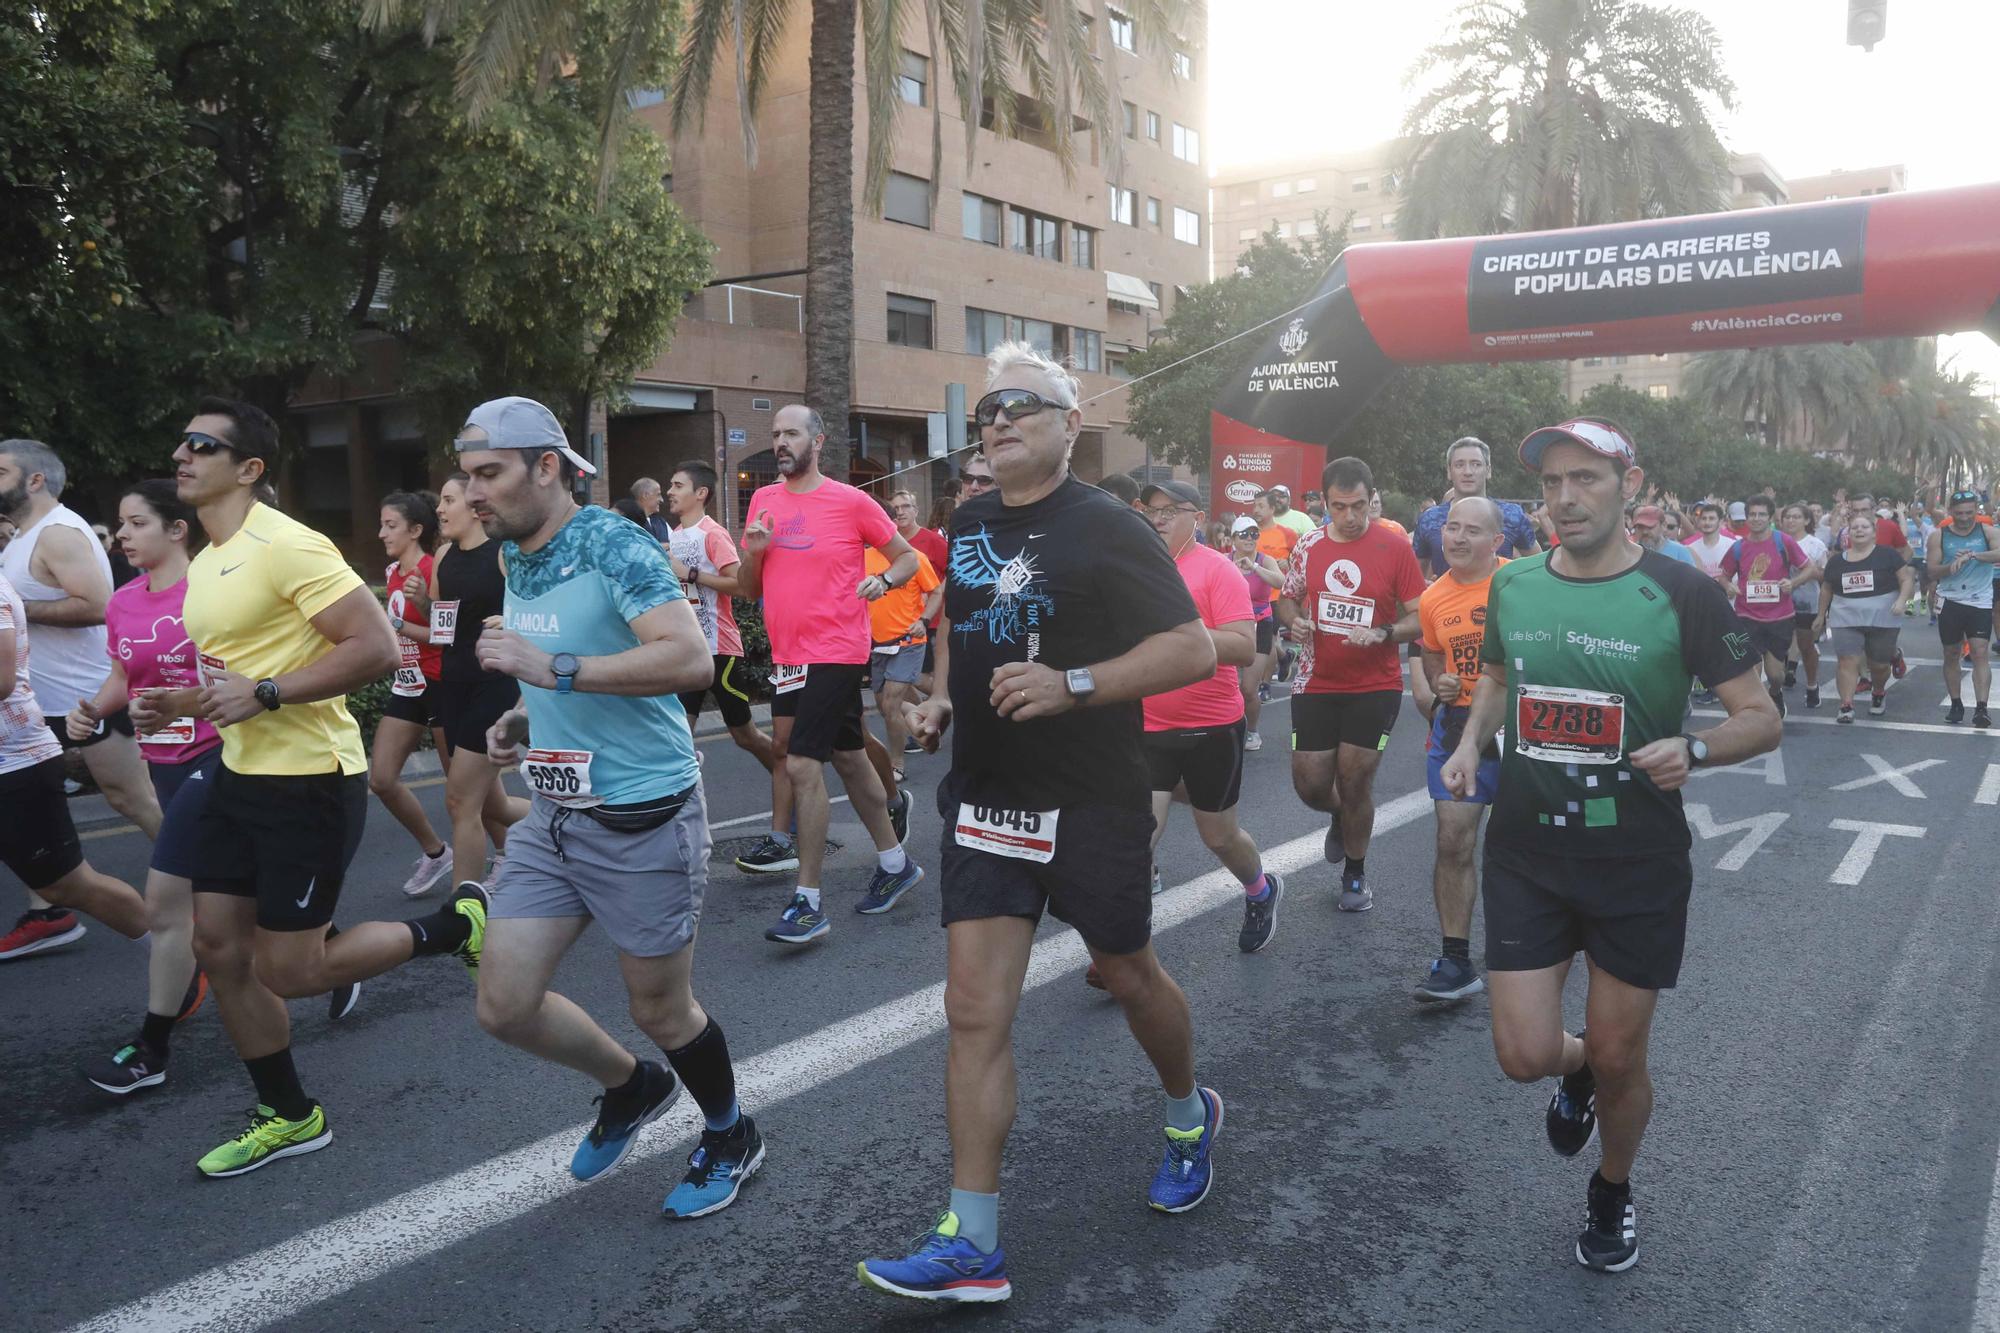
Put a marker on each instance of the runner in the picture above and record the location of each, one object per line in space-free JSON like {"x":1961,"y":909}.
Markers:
{"x":1263,"y":576}
{"x":409,"y":532}
{"x":1046,"y":803}
{"x":1276,"y":542}
{"x":1360,"y":585}
{"x":1797,"y":521}
{"x":285,"y":630}
{"x":1587,"y":659}
{"x":1468,"y":467}
{"x":1862,"y":595}
{"x":601,"y":637}
{"x":704,"y":560}
{"x":1710,"y":543}
{"x":1452,"y":612}
{"x":466,"y":588}
{"x":899,"y":630}
{"x":61,"y":573}
{"x":1763,"y":568}
{"x":931,"y":546}
{"x":1282,"y":511}
{"x":1195,"y":734}
{"x":1962,"y":557}
{"x":1650,"y":530}
{"x":150,"y":651}
{"x":802,"y":552}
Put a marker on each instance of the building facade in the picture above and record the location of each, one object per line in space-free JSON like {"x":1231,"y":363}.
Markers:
{"x":1364,"y":187}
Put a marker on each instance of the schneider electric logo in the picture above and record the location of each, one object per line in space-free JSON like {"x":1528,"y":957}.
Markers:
{"x":1595,"y":647}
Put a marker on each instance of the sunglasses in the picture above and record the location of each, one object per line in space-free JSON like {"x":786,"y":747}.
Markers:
{"x":975,"y":482}
{"x":198,"y":443}
{"x":1016,"y":403}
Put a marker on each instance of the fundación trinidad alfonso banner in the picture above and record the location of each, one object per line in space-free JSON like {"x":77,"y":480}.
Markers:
{"x":1890,"y":266}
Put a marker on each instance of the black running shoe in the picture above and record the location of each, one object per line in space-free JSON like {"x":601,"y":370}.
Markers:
{"x":1791,"y":674}
{"x":1957,"y":711}
{"x":1572,"y":1114}
{"x":769,"y":857}
{"x":126,"y":1070}
{"x":1812,"y":696}
{"x":1448,"y":981}
{"x":1609,"y":1241}
{"x":620,"y":1118}
{"x":1980,"y":717}
{"x":899,"y":816}
{"x":340,"y":1001}
{"x":717,"y":1168}
{"x":1260,"y":918}
{"x":1877,"y":705}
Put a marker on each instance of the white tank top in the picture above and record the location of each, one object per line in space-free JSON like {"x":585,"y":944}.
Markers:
{"x":70,"y":661}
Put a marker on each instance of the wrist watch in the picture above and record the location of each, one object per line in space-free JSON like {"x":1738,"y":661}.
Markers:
{"x":267,"y":694}
{"x":397,"y":621}
{"x":1697,"y":750}
{"x":565,"y":666}
{"x":1080,"y":682}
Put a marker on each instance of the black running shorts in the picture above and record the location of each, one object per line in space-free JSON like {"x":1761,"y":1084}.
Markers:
{"x":1773,"y":638}
{"x":1958,"y":622}
{"x":728,"y":691}
{"x":1208,"y":759}
{"x":419,"y":709}
{"x":284,"y":841}
{"x":467,"y":709}
{"x":1324,"y":721}
{"x":38,"y":839}
{"x":1629,"y":917}
{"x":825,"y":710}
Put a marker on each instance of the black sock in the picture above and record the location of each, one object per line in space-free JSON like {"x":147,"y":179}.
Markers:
{"x":278,"y":1084}
{"x":440,"y":932}
{"x":331,"y":930}
{"x":1454,"y":947}
{"x":1357,"y":865}
{"x":46,"y":913}
{"x":704,"y":1067}
{"x":1598,"y":1182}
{"x":631,"y":1088}
{"x":157,"y":1031}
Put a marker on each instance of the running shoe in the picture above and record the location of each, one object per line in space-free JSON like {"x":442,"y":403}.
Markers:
{"x":1705,"y":698}
{"x":1185,"y":1173}
{"x":1354,"y":894}
{"x":769,"y":857}
{"x":1791,"y":673}
{"x":945,"y":1267}
{"x":1260,"y":918}
{"x":1778,"y":698}
{"x":1980,"y":717}
{"x":1159,"y":885}
{"x":899,"y":816}
{"x":38,"y":931}
{"x":470,"y":903}
{"x":885,"y":888}
{"x":197,"y":991}
{"x":1252,"y":742}
{"x":491,"y":880}
{"x":1899,"y":668}
{"x":801,"y":923}
{"x":1877,"y":705}
{"x":1812,"y":696}
{"x":427,"y":871}
{"x":717,"y":1168}
{"x":1263,"y":695}
{"x":128,"y":1069}
{"x":1609,"y":1241}
{"x":269,"y":1137}
{"x":340,"y":1001}
{"x":1333,"y":849}
{"x":1956,"y":713}
{"x":911,"y":745}
{"x":1449,"y":981}
{"x":619,"y":1120}
{"x":1572,"y":1115}
{"x":1846,"y":713}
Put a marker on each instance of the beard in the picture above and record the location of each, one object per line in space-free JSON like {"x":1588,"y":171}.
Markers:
{"x":15,"y":501}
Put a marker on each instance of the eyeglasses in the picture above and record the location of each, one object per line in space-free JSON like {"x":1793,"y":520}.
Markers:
{"x":198,"y":443}
{"x":1016,"y":403}
{"x":975,"y":482}
{"x":1162,"y":511}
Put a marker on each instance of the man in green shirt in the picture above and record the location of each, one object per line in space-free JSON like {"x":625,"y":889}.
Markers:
{"x":1589,"y":654}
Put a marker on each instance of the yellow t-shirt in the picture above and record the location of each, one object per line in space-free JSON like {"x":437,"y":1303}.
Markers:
{"x":250,"y":603}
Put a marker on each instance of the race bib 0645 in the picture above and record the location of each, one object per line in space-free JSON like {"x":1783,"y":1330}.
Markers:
{"x":1567,"y":726}
{"x":1022,"y":835}
{"x":562,"y":776}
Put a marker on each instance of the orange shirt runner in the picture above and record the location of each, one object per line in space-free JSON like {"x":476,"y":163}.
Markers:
{"x":897,"y":616}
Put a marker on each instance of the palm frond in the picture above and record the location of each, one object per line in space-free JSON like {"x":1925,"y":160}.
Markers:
{"x":881,"y":62}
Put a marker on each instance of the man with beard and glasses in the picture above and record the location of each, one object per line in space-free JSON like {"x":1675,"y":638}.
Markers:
{"x":1587,"y":659}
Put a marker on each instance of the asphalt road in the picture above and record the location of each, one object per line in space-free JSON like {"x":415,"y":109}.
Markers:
{"x":1822,"y":1152}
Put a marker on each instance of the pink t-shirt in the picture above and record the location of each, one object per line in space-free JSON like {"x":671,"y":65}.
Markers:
{"x":1760,"y":568}
{"x":811,"y":568}
{"x":144,"y":634}
{"x":1222,"y":598}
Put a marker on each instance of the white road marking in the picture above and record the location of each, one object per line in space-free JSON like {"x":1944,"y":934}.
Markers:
{"x":751,"y":819}
{"x":1863,"y":723}
{"x":1881,"y":771}
{"x":1989,"y":787}
{"x":1756,"y":830}
{"x":1868,"y":836}
{"x":317,"y":1265}
{"x":1770,"y":766}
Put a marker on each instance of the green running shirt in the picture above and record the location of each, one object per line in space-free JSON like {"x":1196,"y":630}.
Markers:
{"x":1595,"y":669}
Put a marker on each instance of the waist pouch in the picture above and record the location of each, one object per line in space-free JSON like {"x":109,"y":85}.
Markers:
{"x":640,"y":817}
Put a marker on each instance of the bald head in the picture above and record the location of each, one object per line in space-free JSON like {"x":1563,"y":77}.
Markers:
{"x":1471,"y":537}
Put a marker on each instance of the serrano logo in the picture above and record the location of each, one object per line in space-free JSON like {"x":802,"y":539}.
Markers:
{"x":1343,"y":576}
{"x":1595,"y":647}
{"x":1242,"y":492}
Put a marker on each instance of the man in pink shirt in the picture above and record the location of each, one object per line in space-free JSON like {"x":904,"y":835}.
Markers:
{"x":803,"y":553}
{"x":1762,"y":568}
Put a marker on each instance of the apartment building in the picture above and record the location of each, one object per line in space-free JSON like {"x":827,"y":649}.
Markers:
{"x":1363,"y":186}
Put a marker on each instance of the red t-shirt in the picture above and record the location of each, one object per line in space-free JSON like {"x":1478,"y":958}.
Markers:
{"x":425,"y":657}
{"x":1221,"y":598}
{"x":1351,"y":585}
{"x":812,"y":567}
{"x":933,"y":548}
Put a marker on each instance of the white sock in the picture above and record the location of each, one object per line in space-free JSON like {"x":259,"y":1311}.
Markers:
{"x":893,"y":860}
{"x":811,"y":897}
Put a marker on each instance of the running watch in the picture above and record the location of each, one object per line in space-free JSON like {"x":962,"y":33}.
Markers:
{"x":565,"y":666}
{"x":1697,"y":751}
{"x":267,"y":694}
{"x":1080,"y":682}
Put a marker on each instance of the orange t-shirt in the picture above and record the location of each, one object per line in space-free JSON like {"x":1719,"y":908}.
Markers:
{"x":1453,"y":616}
{"x":897,"y":616}
{"x":1277,"y":542}
{"x":1394,"y":526}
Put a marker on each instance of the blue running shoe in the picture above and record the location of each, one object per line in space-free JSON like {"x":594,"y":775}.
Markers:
{"x":619,"y":1120}
{"x":885,"y":888}
{"x":717,"y":1168}
{"x":945,"y":1267}
{"x":1185,"y":1174}
{"x":801,"y":923}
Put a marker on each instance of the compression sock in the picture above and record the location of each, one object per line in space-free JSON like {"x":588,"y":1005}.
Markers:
{"x":1185,"y":1113}
{"x":156,"y":1032}
{"x":893,"y":860}
{"x":278,"y":1084}
{"x":1258,"y":889}
{"x":811,"y":897}
{"x":978,"y":1219}
{"x":704,"y":1067}
{"x":440,"y":932}
{"x":1357,"y":865}
{"x":1454,"y":947}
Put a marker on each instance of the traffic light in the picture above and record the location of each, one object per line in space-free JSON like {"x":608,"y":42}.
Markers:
{"x":1867,"y":21}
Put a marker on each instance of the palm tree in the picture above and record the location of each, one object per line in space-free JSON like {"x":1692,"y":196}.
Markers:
{"x":1541,"y":114}
{"x":1796,"y":397}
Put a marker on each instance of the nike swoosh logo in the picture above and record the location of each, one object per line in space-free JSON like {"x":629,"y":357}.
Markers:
{"x":233,"y":568}
{"x":568,"y":570}
{"x":311,"y":884}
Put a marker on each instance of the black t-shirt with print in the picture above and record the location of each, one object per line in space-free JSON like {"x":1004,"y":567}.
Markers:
{"x":1072,"y":580}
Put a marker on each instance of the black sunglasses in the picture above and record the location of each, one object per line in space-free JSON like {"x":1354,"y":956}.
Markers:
{"x":972,"y":479}
{"x":198,"y":443}
{"x":1016,"y":403}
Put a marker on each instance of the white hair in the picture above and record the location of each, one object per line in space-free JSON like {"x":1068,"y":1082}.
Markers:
{"x":1007,"y":356}
{"x":33,"y":456}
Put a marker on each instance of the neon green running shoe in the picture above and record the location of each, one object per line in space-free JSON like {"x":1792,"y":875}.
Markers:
{"x":269,"y":1137}
{"x":470,"y":902}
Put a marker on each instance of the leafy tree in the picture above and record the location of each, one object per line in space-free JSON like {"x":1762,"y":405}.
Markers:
{"x":1813,"y":392}
{"x":1540,"y":114}
{"x":1406,"y":427}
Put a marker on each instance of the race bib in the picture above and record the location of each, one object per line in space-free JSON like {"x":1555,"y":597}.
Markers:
{"x":210,"y":667}
{"x":562,"y":776}
{"x":1022,"y":835}
{"x":180,"y":731}
{"x":1566,"y":726}
{"x":1342,"y":615}
{"x":1763,"y":594}
{"x":444,"y":624}
{"x":408,"y":683}
{"x":1858,"y":583}
{"x":785,"y":679}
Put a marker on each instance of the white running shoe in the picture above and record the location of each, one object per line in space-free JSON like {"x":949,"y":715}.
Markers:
{"x":1252,"y":741}
{"x":426,"y":872}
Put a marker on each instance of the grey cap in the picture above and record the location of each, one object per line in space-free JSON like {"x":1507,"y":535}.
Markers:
{"x":519,"y":423}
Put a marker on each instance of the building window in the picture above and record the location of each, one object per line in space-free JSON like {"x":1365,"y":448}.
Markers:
{"x":1152,"y":212}
{"x":1086,"y":348}
{"x":1307,"y":185}
{"x":1593,"y":361}
{"x":913,"y":79}
{"x":1114,"y":366}
{"x":1360,"y":185}
{"x":1153,"y":126}
{"x":910,"y":321}
{"x":640,"y":98}
{"x":1361,"y":224}
{"x":1247,"y":234}
{"x":1083,"y":247}
{"x":1039,"y":334}
{"x":1160,"y":295}
{"x":1284,"y":231}
{"x":907,"y":200}
{"x":1388,"y":222}
{"x":1281,"y":189}
{"x":1619,"y":360}
{"x":982,"y":219}
{"x":1656,"y":391}
{"x":1187,"y":226}
{"x":1034,"y":234}
{"x":984,"y":330}
{"x":1246,"y":201}
{"x":1131,"y":121}
{"x":1659,"y":356}
{"x":1121,"y":31}
{"x":1184,"y":65}
{"x":667,"y":182}
{"x":1187,"y":144}
{"x":1121,"y":205}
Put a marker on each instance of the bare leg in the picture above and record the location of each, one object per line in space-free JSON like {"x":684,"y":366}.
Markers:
{"x":809,"y":803}
{"x":1528,"y":1035}
{"x":784,"y":803}
{"x":1357,"y":798}
{"x":469,"y":782}
{"x":1313,"y":779}
{"x":755,"y":743}
{"x":986,"y":961}
{"x":119,"y":771}
{"x":1454,"y":888}
{"x":298,"y":963}
{"x":1157,"y":1013}
{"x":395,"y":741}
{"x":1620,"y":1023}
{"x":868,"y":795}
{"x":661,"y":993}
{"x":1221,"y":834}
{"x":112,"y":901}
{"x":170,"y":912}
{"x":1248,"y":678}
{"x":880,"y":761}
{"x":224,"y":944}
{"x":1808,"y":657}
{"x":517,"y":1006}
{"x":1847,"y":674}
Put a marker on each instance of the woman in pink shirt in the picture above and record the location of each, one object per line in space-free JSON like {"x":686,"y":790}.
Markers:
{"x":152,"y":663}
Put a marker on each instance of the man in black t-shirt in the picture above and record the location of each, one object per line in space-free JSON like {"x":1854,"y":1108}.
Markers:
{"x":1062,"y":611}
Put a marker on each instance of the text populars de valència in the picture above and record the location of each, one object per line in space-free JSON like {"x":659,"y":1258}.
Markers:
{"x":1656,"y":263}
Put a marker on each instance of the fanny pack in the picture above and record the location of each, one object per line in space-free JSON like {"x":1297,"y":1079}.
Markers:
{"x":642,"y":816}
